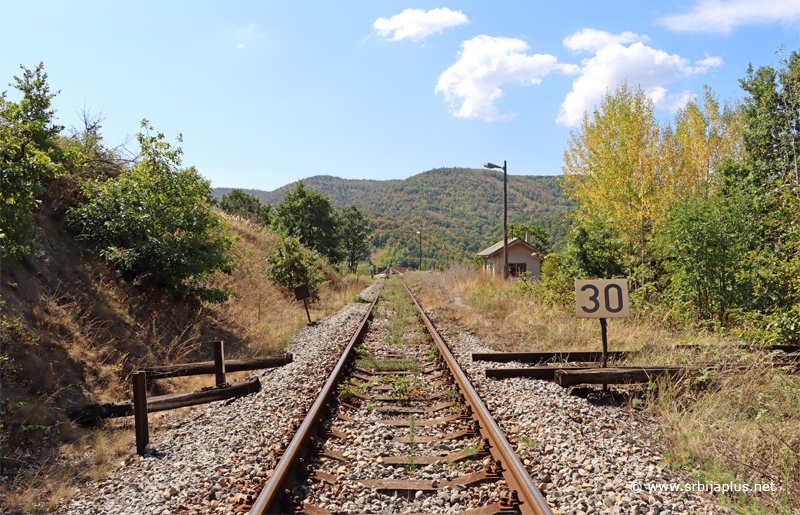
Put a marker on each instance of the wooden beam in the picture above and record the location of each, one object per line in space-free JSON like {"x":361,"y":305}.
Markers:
{"x":545,"y":357}
{"x":165,"y":402}
{"x":207,"y":367}
{"x":543,"y":373}
{"x":219,"y":362}
{"x":140,"y":412}
{"x":617,"y":375}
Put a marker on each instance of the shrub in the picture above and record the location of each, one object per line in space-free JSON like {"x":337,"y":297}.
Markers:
{"x":290,"y":266}
{"x":28,"y":156}
{"x":247,"y":206}
{"x":154,"y":221}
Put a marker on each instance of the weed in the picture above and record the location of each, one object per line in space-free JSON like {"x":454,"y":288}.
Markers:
{"x":348,"y":391}
{"x":528,"y":441}
{"x":472,"y":449}
{"x":449,"y":395}
{"x":462,"y":466}
{"x":412,"y":447}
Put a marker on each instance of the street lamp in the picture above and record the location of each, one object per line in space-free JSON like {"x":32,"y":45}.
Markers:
{"x":505,"y":215}
{"x":420,"y":250}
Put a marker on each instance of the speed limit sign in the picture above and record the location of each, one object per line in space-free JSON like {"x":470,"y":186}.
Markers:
{"x":602,"y":298}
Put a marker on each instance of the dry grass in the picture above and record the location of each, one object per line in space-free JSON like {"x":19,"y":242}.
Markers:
{"x":740,"y":425}
{"x":75,"y":344}
{"x":506,"y":319}
{"x":267,"y":316}
{"x":94,"y":456}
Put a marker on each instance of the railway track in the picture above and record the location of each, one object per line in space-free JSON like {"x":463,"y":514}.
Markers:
{"x":398,"y":428}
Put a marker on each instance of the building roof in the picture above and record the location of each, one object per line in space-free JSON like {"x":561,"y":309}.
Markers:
{"x":498,"y":247}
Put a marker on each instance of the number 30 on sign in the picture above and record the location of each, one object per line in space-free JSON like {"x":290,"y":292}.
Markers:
{"x":606,"y":298}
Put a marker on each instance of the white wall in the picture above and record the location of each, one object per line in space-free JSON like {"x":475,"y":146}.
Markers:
{"x":516,"y":254}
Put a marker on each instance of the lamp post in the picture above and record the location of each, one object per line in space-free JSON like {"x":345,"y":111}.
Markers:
{"x":505,"y":215}
{"x":420,"y":250}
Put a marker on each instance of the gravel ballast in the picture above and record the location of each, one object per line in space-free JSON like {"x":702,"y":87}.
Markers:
{"x":201,"y":463}
{"x":584,"y":457}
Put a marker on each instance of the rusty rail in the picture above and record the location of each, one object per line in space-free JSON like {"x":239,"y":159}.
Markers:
{"x":531,"y":499}
{"x":271,"y":497}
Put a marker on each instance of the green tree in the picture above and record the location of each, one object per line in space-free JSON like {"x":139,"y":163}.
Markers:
{"x":772,"y":113}
{"x":247,"y":206}
{"x":354,"y":232}
{"x":154,"y":221}
{"x":702,"y":242}
{"x":594,"y":250}
{"x":289,"y":266}
{"x":538,"y":236}
{"x":29,"y":155}
{"x":770,"y":176}
{"x":309,"y":216}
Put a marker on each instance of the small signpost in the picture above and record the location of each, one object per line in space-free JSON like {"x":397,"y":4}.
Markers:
{"x":602,"y":298}
{"x":140,"y":412}
{"x":302,"y":293}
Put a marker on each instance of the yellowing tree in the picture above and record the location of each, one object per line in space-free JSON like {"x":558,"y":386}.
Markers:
{"x":704,"y":135}
{"x":625,"y":168}
{"x":613,"y":165}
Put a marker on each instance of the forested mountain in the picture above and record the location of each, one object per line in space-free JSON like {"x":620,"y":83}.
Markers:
{"x":459,"y":208}
{"x":342,"y":192}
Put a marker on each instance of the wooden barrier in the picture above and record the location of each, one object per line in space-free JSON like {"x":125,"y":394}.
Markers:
{"x":542,"y":373}
{"x":208,"y":367}
{"x":544,"y":357}
{"x":140,"y":411}
{"x":617,"y":375}
{"x":165,"y":402}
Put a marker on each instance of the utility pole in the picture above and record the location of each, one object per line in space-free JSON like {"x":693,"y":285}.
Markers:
{"x":505,"y":214}
{"x":505,"y":221}
{"x":420,"y":249}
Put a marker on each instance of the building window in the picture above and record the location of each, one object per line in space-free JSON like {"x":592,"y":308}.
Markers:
{"x":517,"y":269}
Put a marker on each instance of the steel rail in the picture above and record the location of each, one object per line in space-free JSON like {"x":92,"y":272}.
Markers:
{"x":271,"y":497}
{"x":531,"y":499}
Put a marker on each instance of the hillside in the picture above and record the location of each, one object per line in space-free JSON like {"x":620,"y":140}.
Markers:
{"x":72,"y":331}
{"x":342,"y":192}
{"x":458,"y":207}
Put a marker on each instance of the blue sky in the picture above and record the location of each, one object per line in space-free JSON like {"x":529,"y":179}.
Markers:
{"x":266,"y":93}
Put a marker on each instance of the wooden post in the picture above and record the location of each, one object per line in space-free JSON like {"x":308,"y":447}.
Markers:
{"x":302,"y":293}
{"x":140,"y":411}
{"x":307,"y":313}
{"x":604,"y":333}
{"x":219,"y":362}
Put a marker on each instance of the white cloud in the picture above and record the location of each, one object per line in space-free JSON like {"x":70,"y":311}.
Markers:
{"x":245,"y":35}
{"x":614,"y":63}
{"x":417,"y":23}
{"x":664,"y":100}
{"x":594,"y":40}
{"x":722,"y":17}
{"x":473,"y":82}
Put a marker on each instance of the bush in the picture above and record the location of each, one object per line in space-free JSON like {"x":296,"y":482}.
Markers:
{"x":28,"y":156}
{"x":247,"y":206}
{"x":154,"y":221}
{"x":290,"y":266}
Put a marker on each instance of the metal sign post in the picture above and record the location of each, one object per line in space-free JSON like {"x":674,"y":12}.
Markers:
{"x":302,"y":293}
{"x":602,"y":298}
